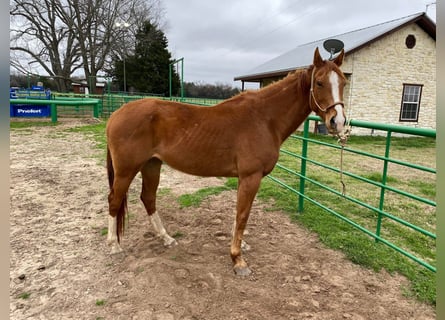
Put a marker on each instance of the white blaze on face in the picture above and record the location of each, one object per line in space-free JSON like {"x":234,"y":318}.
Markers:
{"x":335,"y":86}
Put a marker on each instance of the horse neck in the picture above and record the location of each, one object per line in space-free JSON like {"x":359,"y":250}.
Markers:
{"x":286,"y":103}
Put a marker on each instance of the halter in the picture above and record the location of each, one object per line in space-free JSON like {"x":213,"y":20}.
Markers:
{"x":343,"y":138}
{"x":315,"y":100}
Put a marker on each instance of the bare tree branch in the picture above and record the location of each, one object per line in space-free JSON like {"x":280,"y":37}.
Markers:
{"x":64,"y":36}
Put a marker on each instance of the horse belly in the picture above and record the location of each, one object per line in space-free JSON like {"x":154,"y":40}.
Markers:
{"x":201,"y":162}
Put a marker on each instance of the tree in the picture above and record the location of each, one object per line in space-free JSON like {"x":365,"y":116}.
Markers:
{"x":147,"y":70}
{"x":64,"y":36}
{"x":203,"y":90}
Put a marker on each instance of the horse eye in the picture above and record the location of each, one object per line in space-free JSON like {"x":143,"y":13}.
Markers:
{"x":319,"y":83}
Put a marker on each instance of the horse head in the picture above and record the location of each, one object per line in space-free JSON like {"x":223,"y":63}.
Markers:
{"x":326,"y":93}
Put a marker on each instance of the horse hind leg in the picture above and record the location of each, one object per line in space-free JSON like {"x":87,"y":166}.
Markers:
{"x":150,"y":180}
{"x":112,"y":235}
{"x":117,"y":202}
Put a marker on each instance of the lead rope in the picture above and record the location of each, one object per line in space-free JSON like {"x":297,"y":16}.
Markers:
{"x":343,"y":139}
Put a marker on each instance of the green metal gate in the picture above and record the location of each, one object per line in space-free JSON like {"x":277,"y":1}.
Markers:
{"x":392,"y":204}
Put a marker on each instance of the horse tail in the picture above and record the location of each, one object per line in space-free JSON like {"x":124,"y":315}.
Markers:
{"x":110,"y":169}
{"x":121,"y":213}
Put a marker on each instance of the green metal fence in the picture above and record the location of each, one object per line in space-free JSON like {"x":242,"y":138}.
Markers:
{"x":110,"y":102}
{"x":315,"y":183}
{"x":75,"y":105}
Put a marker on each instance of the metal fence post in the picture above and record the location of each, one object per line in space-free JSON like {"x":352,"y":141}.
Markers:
{"x":303,"y":165}
{"x":384,"y":179}
{"x":96,"y":110}
{"x":53,"y":112}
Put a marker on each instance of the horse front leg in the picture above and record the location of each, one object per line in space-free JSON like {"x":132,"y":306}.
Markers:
{"x":160,"y":230}
{"x":247,"y":189}
{"x":244,"y":245}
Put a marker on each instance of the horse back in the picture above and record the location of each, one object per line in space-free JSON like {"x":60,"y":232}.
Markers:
{"x":205,"y":141}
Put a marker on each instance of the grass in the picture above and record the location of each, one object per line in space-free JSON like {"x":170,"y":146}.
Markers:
{"x":195,"y":199}
{"x":333,"y":232}
{"x":378,"y":177}
{"x":177,"y":235}
{"x":30,"y":124}
{"x":97,"y":133}
{"x":24,"y":295}
{"x":100,"y":302}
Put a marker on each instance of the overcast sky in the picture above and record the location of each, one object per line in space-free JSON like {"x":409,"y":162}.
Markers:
{"x":221,"y":39}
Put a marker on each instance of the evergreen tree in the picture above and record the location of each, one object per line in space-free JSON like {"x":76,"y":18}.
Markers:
{"x":148,"y":69}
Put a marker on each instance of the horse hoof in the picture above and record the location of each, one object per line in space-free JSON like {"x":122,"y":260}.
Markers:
{"x":170,"y":242}
{"x":115,"y":249}
{"x":242,"y":271}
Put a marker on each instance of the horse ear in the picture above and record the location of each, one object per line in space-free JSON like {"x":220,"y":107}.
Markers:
{"x":339,"y":59}
{"x":318,"y":60}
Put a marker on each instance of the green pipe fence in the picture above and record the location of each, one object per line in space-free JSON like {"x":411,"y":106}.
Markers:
{"x":100,"y":105}
{"x":110,"y":102}
{"x":380,"y":211}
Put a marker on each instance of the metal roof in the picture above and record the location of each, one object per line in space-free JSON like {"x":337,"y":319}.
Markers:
{"x":301,"y":56}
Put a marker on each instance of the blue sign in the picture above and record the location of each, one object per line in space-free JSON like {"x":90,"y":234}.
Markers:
{"x":25,"y":110}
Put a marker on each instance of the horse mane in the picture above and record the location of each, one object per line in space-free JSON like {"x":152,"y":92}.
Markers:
{"x":299,"y":79}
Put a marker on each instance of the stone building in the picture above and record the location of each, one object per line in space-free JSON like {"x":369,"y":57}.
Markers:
{"x":390,"y":67}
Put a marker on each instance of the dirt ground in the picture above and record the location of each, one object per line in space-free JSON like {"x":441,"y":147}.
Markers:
{"x":60,"y":266}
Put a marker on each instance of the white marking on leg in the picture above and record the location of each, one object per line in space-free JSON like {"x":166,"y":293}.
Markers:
{"x":160,"y":230}
{"x":112,"y":235}
{"x":244,"y":245}
{"x":335,"y":86}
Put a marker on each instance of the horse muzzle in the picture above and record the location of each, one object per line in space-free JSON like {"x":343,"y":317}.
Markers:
{"x":337,"y":123}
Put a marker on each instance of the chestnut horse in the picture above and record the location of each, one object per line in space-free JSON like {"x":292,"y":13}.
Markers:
{"x":239,"y":137}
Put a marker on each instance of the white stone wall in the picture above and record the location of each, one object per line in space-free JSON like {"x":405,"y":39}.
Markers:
{"x":379,"y":71}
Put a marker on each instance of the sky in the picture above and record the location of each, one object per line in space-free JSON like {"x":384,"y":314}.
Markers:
{"x":222,"y":39}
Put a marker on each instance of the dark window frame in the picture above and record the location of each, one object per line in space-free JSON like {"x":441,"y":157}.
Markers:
{"x":404,"y":104}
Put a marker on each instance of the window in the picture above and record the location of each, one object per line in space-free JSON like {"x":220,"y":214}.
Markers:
{"x":410,"y":102}
{"x":410,"y":41}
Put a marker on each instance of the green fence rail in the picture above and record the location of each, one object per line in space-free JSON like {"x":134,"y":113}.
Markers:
{"x":111,"y":102}
{"x":98,"y":105}
{"x":108,"y":102}
{"x":381,"y":211}
{"x":94,"y":104}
